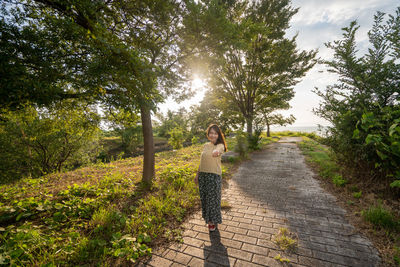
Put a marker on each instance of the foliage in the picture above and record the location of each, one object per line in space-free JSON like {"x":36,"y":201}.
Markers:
{"x":210,"y":110}
{"x":195,"y":140}
{"x":254,"y":140}
{"x":176,"y":139}
{"x":171,"y":120}
{"x":379,"y":131}
{"x":338,"y":180}
{"x":363,"y":106}
{"x":241,"y":144}
{"x":357,"y":194}
{"x":35,"y":142}
{"x":381,"y":217}
{"x":259,"y":65}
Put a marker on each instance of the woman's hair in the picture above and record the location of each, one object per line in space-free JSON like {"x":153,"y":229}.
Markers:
{"x":221,"y":137}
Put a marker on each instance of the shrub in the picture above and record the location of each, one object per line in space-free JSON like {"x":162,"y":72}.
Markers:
{"x":176,"y":139}
{"x":380,"y":217}
{"x":195,"y":140}
{"x":338,"y":180}
{"x":241,"y":144}
{"x":254,"y":139}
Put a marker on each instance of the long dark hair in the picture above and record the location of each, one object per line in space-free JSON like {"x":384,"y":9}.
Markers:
{"x":221,"y":137}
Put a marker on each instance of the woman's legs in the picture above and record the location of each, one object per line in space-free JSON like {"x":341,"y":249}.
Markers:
{"x":210,"y":195}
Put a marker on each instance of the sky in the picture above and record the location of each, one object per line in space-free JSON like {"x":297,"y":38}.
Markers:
{"x":317,"y":22}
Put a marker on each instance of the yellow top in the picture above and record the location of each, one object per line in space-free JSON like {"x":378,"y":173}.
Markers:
{"x":208,"y":163}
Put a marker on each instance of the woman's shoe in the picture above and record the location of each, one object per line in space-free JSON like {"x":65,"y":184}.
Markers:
{"x":211,"y":227}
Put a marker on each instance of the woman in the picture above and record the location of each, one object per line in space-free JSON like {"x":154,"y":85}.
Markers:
{"x":208,"y":176}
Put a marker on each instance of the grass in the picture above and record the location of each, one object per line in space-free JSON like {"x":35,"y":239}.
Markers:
{"x":97,"y":215}
{"x":286,"y":240}
{"x":381,"y":217}
{"x":320,"y":156}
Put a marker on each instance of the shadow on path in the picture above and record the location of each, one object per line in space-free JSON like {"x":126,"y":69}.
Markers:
{"x":216,"y":252}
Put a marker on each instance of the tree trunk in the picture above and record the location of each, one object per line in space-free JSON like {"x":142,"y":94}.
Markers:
{"x":249,"y":122}
{"x":148,"y":153}
{"x":268,"y":132}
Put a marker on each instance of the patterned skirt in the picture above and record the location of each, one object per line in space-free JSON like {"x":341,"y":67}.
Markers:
{"x":210,"y":195}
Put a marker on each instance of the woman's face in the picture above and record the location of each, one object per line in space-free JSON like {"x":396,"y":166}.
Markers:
{"x":213,"y":135}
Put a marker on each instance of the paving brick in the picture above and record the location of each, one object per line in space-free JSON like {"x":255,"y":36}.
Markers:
{"x":203,"y":236}
{"x":239,"y":254}
{"x":259,"y":235}
{"x":230,"y":223}
{"x":231,"y":243}
{"x":239,"y":219}
{"x":242,"y":263}
{"x":226,"y":234}
{"x":255,"y":249}
{"x":178,"y":247}
{"x":197,"y":252}
{"x":193,"y":241}
{"x":249,"y":226}
{"x":196,"y":262}
{"x":175,"y":264}
{"x":178,"y":257}
{"x":266,"y":261}
{"x":202,"y":229}
{"x":254,"y":217}
{"x":234,"y":230}
{"x":190,"y":233}
{"x":159,"y":262}
{"x":268,"y":230}
{"x":245,"y":238}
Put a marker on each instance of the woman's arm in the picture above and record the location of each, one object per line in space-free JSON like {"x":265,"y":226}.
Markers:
{"x":218,"y":151}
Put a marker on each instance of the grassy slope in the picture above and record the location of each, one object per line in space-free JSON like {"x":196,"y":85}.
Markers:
{"x":98,"y":214}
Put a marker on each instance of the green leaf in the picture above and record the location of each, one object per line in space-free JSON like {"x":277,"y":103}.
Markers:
{"x":356,"y":134}
{"x":381,"y":155}
{"x":396,"y":183}
{"x":393,"y":129}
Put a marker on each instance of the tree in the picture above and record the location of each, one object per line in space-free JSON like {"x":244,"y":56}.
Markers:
{"x":260,"y":62}
{"x":363,"y":106}
{"x":267,"y":109}
{"x":35,"y":142}
{"x":127,"y":54}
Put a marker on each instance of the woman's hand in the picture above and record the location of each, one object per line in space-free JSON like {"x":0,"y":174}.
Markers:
{"x":196,"y":179}
{"x":216,"y":153}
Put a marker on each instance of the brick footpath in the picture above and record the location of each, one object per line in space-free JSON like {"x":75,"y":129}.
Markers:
{"x":274,"y":189}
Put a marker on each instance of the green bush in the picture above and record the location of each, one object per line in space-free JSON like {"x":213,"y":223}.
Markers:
{"x":241,"y":144}
{"x":380,"y":217}
{"x":195,"y":140}
{"x":176,"y":139}
{"x":35,"y":142}
{"x":357,"y":194}
{"x":338,"y":180}
{"x":254,"y":139}
{"x":363,"y":106}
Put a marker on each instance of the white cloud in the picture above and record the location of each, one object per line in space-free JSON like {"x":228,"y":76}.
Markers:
{"x":334,"y":12}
